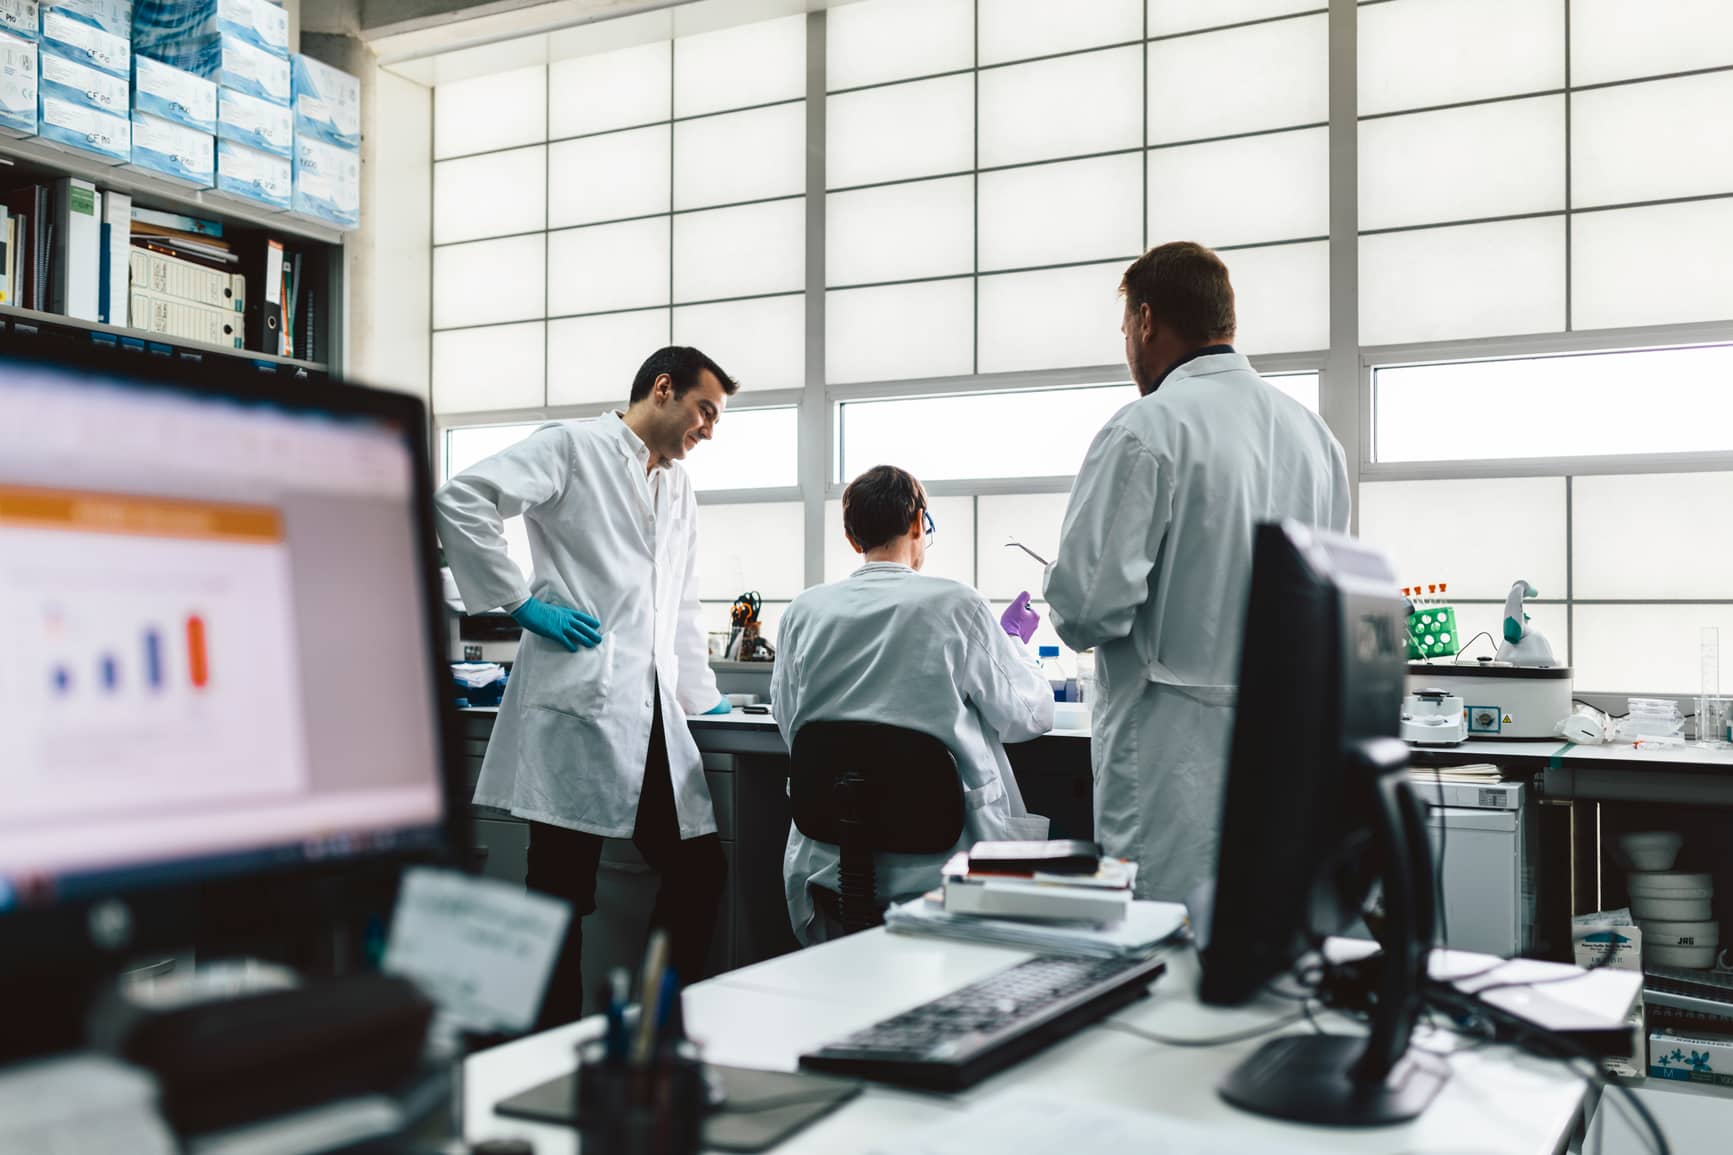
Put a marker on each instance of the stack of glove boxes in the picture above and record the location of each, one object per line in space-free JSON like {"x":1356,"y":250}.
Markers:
{"x":174,"y":123}
{"x":327,"y":143}
{"x":18,"y":67}
{"x":83,"y":77}
{"x":242,"y":46}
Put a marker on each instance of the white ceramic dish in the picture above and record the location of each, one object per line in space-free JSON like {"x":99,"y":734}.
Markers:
{"x":1646,"y":909}
{"x":1670,"y":884}
{"x":1652,"y":850}
{"x":1681,"y":933}
{"x":1698,"y":957}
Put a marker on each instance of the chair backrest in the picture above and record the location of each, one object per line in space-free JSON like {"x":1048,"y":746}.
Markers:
{"x":882,"y":788}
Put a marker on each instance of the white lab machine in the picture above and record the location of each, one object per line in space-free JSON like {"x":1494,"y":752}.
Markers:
{"x":1484,"y":839}
{"x":1502,"y":701}
{"x":1431,"y":717}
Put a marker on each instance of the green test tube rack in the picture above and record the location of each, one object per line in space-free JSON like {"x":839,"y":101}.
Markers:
{"x":1432,"y":633}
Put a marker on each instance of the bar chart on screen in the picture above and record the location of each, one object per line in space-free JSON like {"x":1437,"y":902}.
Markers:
{"x":153,"y":660}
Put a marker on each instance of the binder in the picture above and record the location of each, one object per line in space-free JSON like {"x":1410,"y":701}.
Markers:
{"x":6,"y":227}
{"x":163,"y":275}
{"x":116,"y":247}
{"x":75,"y":278}
{"x":270,"y":338}
{"x":185,"y":320}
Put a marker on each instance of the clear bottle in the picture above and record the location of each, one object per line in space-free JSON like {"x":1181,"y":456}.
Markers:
{"x":1086,"y":676}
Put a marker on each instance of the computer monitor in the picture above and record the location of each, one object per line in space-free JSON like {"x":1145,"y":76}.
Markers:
{"x":219,"y":598}
{"x":1318,"y":809}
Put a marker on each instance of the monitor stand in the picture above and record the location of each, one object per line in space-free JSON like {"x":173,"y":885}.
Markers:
{"x":1348,"y":1081}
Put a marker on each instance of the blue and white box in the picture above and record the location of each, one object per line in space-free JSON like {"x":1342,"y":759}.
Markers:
{"x":75,"y":83}
{"x":257,"y":176}
{"x":174,"y":150}
{"x":173,"y":94}
{"x":327,"y":102}
{"x":328,"y":183}
{"x":255,"y":123}
{"x":83,"y":129}
{"x":20,"y":18}
{"x":191,"y":25}
{"x":112,"y":16}
{"x":18,"y":87}
{"x":233,"y":63}
{"x":74,"y":39}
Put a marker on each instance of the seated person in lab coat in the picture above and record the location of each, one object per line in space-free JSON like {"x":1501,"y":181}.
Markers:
{"x":888,"y":644}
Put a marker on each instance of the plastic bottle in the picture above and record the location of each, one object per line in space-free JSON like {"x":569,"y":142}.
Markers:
{"x":1086,"y":676}
{"x":1048,"y":657}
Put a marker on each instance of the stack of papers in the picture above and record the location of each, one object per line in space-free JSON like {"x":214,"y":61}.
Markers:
{"x":1146,"y":926}
{"x":1477,"y":772}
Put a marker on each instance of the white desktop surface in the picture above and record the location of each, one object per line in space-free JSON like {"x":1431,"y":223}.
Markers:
{"x":766,"y":1015}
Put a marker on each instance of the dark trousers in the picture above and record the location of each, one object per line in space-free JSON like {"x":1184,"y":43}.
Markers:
{"x":563,"y":863}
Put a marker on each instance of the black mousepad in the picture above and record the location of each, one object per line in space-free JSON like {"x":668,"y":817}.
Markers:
{"x":762,"y":1108}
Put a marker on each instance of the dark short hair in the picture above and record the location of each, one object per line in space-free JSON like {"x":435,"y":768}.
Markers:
{"x":880,"y":505}
{"x":1186,"y":286}
{"x":682,"y":363}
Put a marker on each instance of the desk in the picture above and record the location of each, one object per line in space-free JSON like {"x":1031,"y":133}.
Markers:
{"x":1691,"y":774}
{"x":766,"y":1015}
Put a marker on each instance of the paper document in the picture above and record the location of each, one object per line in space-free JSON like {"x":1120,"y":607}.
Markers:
{"x":1146,"y":926}
{"x":1021,"y":1123}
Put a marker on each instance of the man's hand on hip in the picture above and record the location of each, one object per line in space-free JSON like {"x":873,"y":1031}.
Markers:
{"x":571,"y":628}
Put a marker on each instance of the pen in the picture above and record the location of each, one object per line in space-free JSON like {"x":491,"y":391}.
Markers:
{"x":667,"y":1013}
{"x":649,"y":992}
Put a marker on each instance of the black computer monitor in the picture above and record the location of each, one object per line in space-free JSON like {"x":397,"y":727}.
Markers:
{"x":1317,"y":810}
{"x":219,"y":594}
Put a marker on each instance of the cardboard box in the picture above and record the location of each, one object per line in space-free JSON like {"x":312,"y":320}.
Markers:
{"x":257,"y":176}
{"x":174,"y":150}
{"x":173,"y":94}
{"x":21,"y":18}
{"x":186,"y":25}
{"x":255,"y":123}
{"x":328,"y":183}
{"x":79,"y":83}
{"x":112,"y":16}
{"x":327,"y":103}
{"x":1691,"y":1058}
{"x":18,"y":86}
{"x":86,"y":43}
{"x":1609,"y":943}
{"x":80,"y":128}
{"x":230,"y":62}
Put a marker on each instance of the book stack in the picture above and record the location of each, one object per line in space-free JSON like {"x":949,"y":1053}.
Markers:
{"x":182,"y":283}
{"x":243,"y":47}
{"x":53,"y":242}
{"x":85,"y":69}
{"x":1101,"y":897}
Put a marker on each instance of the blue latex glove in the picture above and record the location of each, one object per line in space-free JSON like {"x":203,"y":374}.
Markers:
{"x":1019,"y":620}
{"x":722,"y":707}
{"x":570,"y":628}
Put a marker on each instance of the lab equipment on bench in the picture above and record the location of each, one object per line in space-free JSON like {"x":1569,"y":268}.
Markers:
{"x":1432,"y":717}
{"x":1485,"y":842}
{"x":1523,"y":644}
{"x":1015,"y":544}
{"x":1711,"y":706}
{"x":1432,"y":631}
{"x":745,"y":645}
{"x":1502,"y":701}
{"x":960,"y":1038}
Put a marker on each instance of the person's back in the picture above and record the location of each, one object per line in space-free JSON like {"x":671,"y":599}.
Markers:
{"x":1155,"y":561}
{"x":891,"y":645}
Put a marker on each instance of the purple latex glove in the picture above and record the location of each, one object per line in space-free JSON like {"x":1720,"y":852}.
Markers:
{"x":1020,"y":621}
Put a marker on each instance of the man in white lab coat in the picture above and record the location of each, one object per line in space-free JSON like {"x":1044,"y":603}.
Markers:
{"x":1155,"y":558}
{"x":591,"y":741}
{"x":890,"y":644}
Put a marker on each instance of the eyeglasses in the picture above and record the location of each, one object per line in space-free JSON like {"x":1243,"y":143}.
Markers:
{"x":928,"y":527}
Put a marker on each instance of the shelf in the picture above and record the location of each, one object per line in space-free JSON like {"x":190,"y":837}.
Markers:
{"x":168,"y":192}
{"x":55,"y":320}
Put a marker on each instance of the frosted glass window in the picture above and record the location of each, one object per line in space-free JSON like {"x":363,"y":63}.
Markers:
{"x":466,"y":445}
{"x":761,"y":343}
{"x":609,"y":90}
{"x":1655,"y":141}
{"x":1033,"y":519}
{"x":739,"y":67}
{"x":740,"y":157}
{"x":1652,"y":266}
{"x":899,"y":231}
{"x":622,"y":266}
{"x":1051,"y":214}
{"x":1663,"y":511}
{"x":1072,"y":106}
{"x":1421,"y":53}
{"x":906,"y":130}
{"x":1302,"y":387}
{"x":609,"y":177}
{"x":1644,"y":649}
{"x":486,"y":282}
{"x":899,"y":332}
{"x":881,"y":40}
{"x":751,"y":449}
{"x":494,"y":367}
{"x":751,"y":546}
{"x":1517,"y":523}
{"x":594,"y":359}
{"x":920,"y":433}
{"x":1019,"y":29}
{"x":490,"y":196}
{"x":1056,"y":318}
{"x":1618,"y":40}
{"x":1222,"y":193}
{"x":1281,"y":297}
{"x":740,"y":251}
{"x":951,"y":555}
{"x":1578,"y":405}
{"x":487,"y":113}
{"x":1467,"y":281}
{"x":1458,"y":164}
{"x":1167,"y":17}
{"x":1280,"y":73}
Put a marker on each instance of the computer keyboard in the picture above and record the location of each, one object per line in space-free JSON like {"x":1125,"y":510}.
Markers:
{"x":958,"y":1039}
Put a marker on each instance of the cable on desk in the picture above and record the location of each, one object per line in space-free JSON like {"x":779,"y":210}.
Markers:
{"x":1257,"y":1032}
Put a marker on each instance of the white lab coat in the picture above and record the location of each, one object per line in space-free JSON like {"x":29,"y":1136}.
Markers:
{"x":887,"y":644}
{"x":569,"y":746}
{"x":1153,"y":570}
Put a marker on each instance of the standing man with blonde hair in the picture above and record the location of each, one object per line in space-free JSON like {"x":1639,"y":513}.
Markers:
{"x":1155,"y":558}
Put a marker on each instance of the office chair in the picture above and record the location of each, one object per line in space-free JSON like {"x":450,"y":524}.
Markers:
{"x":871,"y":789}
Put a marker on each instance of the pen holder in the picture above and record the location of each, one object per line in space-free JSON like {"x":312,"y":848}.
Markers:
{"x":654,"y":1110}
